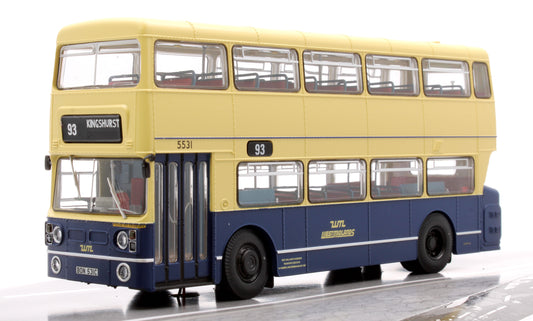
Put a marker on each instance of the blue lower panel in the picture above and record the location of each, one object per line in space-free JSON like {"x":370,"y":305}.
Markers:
{"x":338,"y":236}
{"x":467,"y":243}
{"x":189,"y":270}
{"x":393,"y":252}
{"x":293,"y":263}
{"x":174,"y":271}
{"x":159,"y":273}
{"x":203,"y":269}
{"x":335,"y":259}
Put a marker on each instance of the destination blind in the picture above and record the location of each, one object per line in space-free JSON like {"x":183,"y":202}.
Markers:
{"x":91,"y":128}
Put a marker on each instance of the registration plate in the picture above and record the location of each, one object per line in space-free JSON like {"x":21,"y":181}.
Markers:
{"x":82,"y":270}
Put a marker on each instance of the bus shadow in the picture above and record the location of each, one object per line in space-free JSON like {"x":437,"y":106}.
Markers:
{"x":351,"y":275}
{"x":152,"y":300}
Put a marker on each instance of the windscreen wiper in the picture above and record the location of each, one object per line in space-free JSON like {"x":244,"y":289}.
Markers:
{"x":75,"y":176}
{"x":115,"y":198}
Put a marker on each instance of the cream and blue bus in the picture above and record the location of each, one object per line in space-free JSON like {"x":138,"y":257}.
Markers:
{"x":188,"y":154}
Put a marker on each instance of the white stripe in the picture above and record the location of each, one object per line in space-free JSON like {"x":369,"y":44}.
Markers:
{"x":468,"y":233}
{"x":336,"y":246}
{"x":103,"y":257}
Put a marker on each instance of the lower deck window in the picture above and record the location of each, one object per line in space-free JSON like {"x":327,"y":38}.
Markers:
{"x":333,"y":181}
{"x":270,"y":183}
{"x":393,"y":178}
{"x":447,"y":176}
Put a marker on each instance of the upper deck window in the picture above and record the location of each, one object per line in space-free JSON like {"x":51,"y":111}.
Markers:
{"x":446,"y":78}
{"x":266,"y":69}
{"x":99,"y":65}
{"x":190,"y":65}
{"x":387,"y":75}
{"x":332,"y":72}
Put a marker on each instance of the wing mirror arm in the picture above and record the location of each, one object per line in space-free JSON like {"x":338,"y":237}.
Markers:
{"x":146,"y":165}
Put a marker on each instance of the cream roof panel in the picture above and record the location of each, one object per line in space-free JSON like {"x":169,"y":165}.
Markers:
{"x":409,"y":48}
{"x":224,"y":33}
{"x":115,"y":29}
{"x":458,"y":52}
{"x":371,"y":45}
{"x":318,"y":41}
{"x":280,"y":38}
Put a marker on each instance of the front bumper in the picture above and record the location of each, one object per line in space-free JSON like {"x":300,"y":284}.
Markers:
{"x":111,"y":271}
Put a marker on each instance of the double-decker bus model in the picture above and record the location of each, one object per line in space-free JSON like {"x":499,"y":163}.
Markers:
{"x":186,"y":154}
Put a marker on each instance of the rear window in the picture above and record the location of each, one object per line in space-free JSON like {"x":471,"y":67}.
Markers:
{"x":481,"y":80}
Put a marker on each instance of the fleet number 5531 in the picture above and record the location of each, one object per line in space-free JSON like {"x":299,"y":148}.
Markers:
{"x":184,"y":144}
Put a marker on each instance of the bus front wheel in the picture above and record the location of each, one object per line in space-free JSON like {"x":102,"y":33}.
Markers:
{"x":244,"y":267}
{"x":435,"y":243}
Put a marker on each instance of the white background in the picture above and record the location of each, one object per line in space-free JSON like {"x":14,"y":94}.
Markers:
{"x":28,"y":34}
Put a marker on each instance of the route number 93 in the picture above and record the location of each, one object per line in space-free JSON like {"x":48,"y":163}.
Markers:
{"x":72,"y":130}
{"x":259,"y":148}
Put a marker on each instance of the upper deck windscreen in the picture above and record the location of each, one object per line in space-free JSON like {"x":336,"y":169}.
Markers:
{"x":99,"y":65}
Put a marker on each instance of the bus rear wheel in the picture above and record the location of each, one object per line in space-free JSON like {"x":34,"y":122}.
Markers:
{"x":435,"y":243}
{"x":245,"y":271}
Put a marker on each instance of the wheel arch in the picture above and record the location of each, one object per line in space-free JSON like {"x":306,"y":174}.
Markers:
{"x":450,"y":221}
{"x":270,"y":249}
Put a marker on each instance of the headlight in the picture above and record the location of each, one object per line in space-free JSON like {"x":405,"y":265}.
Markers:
{"x":122,"y":240}
{"x":57,"y":235}
{"x":53,"y":234}
{"x":123,"y":272}
{"x":127,"y":240}
{"x":55,"y":265}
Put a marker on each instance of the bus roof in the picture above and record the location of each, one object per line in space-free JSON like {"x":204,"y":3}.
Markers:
{"x":115,"y":29}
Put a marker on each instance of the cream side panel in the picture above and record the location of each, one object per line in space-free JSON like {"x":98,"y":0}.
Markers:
{"x":223,"y":181}
{"x":129,"y":104}
{"x":395,"y":126}
{"x":341,"y":116}
{"x":203,"y":121}
{"x":269,"y":115}
{"x":450,"y":117}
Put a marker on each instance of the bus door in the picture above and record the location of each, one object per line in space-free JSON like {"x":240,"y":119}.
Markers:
{"x":184,"y":217}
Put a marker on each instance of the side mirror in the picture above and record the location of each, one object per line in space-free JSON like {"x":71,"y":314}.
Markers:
{"x":47,"y":163}
{"x":146,"y":165}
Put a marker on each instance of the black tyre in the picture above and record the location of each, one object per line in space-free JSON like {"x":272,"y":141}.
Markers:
{"x":435,"y":243}
{"x":411,"y":266}
{"x":245,"y":267}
